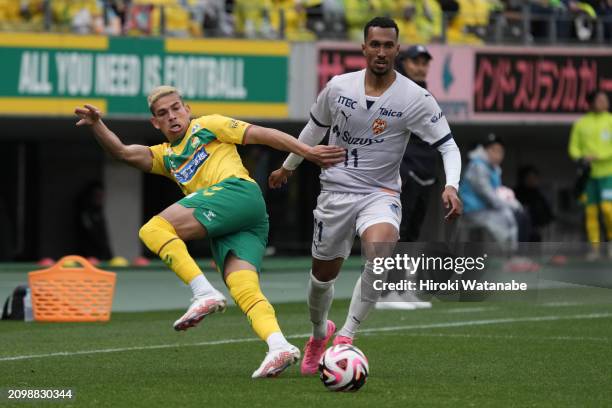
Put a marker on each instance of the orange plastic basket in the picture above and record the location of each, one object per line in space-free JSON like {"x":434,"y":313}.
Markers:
{"x":72,"y":293}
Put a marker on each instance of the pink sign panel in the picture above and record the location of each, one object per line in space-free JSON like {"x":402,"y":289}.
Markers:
{"x":497,"y":84}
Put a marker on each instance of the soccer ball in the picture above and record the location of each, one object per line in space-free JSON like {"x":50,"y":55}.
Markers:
{"x":343,"y":368}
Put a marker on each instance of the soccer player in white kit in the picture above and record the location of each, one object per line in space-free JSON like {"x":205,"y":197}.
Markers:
{"x":371,"y":113}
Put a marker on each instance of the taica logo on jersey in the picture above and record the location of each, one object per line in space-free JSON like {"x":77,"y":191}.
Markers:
{"x":390,"y":112}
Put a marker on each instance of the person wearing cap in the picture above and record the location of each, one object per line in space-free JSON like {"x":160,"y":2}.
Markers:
{"x":414,"y":63}
{"x":419,"y":164}
{"x":487,"y":203}
{"x":418,"y":172}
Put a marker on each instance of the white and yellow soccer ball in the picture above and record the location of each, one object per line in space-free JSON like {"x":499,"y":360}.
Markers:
{"x":343,"y":368}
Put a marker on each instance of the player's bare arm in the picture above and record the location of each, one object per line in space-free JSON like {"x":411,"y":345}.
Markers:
{"x":321,"y":155}
{"x":138,"y":156}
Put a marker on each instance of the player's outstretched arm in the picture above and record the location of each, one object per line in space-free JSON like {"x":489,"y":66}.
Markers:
{"x":312,"y":134}
{"x":138,"y":156}
{"x":321,"y":155}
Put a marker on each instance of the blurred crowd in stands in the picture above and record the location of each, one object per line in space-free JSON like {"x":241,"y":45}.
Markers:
{"x":420,"y":21}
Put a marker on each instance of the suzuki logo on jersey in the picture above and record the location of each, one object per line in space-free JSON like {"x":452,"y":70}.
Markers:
{"x":379,"y":126}
{"x":390,"y":112}
{"x":362,"y":141}
{"x":437,"y":117}
{"x":348,"y":102}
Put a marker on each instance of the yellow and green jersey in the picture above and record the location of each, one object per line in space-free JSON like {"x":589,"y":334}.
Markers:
{"x":204,"y":156}
{"x":592,"y":136}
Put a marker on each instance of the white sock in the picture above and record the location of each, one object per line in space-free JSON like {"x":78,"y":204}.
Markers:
{"x":200,"y":286}
{"x":320,"y":297}
{"x":364,"y":298}
{"x":276,"y":340}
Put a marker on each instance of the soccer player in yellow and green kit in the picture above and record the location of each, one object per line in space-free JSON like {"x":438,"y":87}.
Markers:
{"x":591,"y":140}
{"x":222,"y":203}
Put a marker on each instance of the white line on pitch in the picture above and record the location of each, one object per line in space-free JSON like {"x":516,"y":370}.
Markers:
{"x":470,"y":309}
{"x":559,"y":304}
{"x":371,"y":330}
{"x":495,"y":336}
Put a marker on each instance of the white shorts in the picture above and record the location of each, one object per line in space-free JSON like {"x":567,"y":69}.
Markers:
{"x":339,"y":217}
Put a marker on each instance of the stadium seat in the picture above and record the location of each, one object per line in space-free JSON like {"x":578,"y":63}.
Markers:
{"x":177,"y":18}
{"x":472,"y":18}
{"x":294,"y":14}
{"x":10,"y":17}
{"x":420,"y":22}
{"x":251,"y":18}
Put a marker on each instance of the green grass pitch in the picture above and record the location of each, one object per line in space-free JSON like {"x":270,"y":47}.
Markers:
{"x":548,"y":354}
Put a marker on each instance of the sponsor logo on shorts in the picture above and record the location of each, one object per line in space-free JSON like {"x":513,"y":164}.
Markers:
{"x":209,"y":215}
{"x":233,"y":124}
{"x":379,"y":126}
{"x":395,"y":208}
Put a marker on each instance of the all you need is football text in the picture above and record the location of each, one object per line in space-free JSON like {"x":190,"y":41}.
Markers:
{"x":458,"y":265}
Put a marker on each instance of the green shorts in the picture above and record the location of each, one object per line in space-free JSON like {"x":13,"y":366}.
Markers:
{"x":598,"y":190}
{"x":234,"y":215}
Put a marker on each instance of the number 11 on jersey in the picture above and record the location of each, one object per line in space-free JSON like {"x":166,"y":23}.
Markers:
{"x":355,"y":157}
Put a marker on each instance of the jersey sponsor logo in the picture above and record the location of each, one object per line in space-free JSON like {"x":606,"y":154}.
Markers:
{"x":379,"y":126}
{"x":195,"y":128}
{"x":437,"y":117}
{"x":361,"y":141}
{"x":348,"y":102}
{"x":390,"y":112}
{"x":185,"y":174}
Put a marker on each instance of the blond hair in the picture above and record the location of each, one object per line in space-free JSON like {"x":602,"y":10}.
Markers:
{"x":159,"y":92}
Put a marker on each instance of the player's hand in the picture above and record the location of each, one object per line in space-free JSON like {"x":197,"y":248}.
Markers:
{"x":88,"y":115}
{"x":452,"y":203}
{"x":279,"y":177}
{"x":326,"y":156}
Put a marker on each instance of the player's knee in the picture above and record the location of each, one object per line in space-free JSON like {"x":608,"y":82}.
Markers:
{"x":146,"y":231}
{"x":156,"y":232}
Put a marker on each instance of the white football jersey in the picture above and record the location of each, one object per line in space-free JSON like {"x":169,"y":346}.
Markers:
{"x":375,"y":138}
